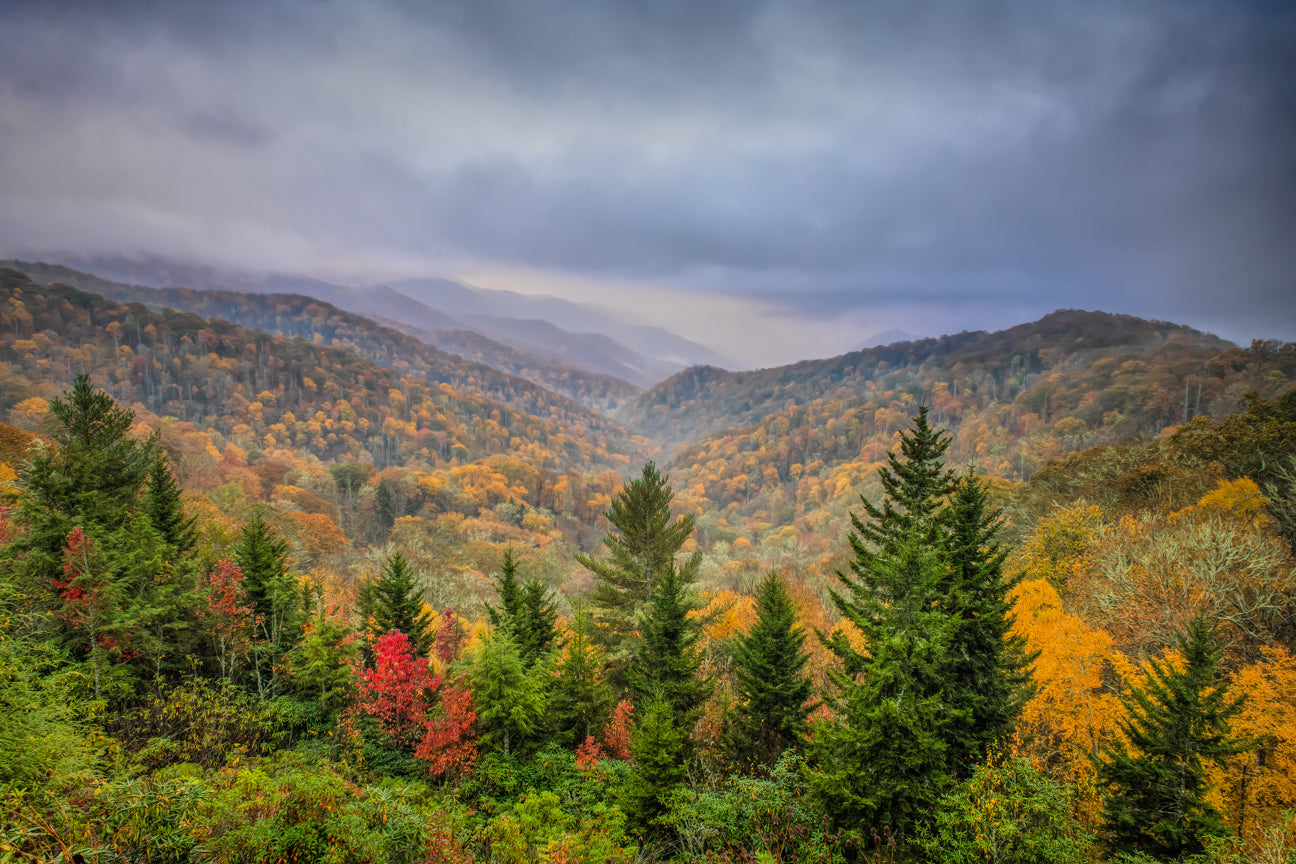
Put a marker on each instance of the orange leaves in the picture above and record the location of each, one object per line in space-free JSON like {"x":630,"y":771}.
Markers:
{"x":1074,"y":707}
{"x":1259,"y":789}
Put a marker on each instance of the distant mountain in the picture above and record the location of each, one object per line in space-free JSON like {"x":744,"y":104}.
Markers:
{"x":583,"y":335}
{"x":600,"y":392}
{"x":887,"y":337}
{"x":296,"y":315}
{"x":704,"y":401}
{"x":571,"y":334}
{"x":262,"y":390}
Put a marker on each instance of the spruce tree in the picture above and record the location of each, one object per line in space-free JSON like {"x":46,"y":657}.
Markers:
{"x":988,"y":668}
{"x":125,"y":600}
{"x":1155,"y":793}
{"x":665,"y":667}
{"x":510,"y":700}
{"x":773,"y":692}
{"x":272,"y":591}
{"x":526,"y":612}
{"x":580,"y":701}
{"x":641,"y":548}
{"x":166,"y":510}
{"x":92,"y":477}
{"x":536,"y":627}
{"x":395,"y":602}
{"x":884,"y":761}
{"x":657,"y":747}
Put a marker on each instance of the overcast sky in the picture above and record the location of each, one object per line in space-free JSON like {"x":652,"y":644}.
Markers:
{"x":777,"y":180}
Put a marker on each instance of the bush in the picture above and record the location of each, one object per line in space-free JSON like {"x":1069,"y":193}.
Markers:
{"x":1005,"y":813}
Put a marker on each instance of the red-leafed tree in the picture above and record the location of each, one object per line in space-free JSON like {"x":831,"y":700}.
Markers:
{"x":450,"y":741}
{"x":616,"y":737}
{"x":229,"y":615}
{"x":398,"y":690}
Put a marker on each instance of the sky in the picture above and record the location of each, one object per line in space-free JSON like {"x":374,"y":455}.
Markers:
{"x":777,"y":180}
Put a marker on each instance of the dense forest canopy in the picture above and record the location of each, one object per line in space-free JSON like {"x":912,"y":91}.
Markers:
{"x":316,"y":591}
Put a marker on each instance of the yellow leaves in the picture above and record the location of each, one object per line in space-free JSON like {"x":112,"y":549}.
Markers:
{"x":1240,"y":499}
{"x":1074,"y":707}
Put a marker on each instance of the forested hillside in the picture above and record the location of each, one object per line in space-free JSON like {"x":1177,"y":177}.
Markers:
{"x":266,"y":599}
{"x":388,"y":340}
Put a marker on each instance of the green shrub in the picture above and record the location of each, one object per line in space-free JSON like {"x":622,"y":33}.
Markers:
{"x":1005,"y":813}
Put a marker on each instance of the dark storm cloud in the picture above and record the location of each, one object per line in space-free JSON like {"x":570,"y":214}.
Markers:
{"x":1137,"y":157}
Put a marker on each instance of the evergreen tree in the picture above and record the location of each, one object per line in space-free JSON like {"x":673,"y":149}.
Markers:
{"x":536,"y":628}
{"x":510,"y":700}
{"x":668,"y":660}
{"x":882,"y":761}
{"x":394,"y":602}
{"x":657,"y":748}
{"x":120,"y":598}
{"x":988,"y":668}
{"x":885,"y":759}
{"x":773,"y":692}
{"x":641,"y":547}
{"x":166,"y":510}
{"x":92,"y":477}
{"x":272,"y":591}
{"x":1155,"y":796}
{"x":510,"y":592}
{"x":320,"y":665}
{"x":580,"y":702}
{"x":527,"y":612}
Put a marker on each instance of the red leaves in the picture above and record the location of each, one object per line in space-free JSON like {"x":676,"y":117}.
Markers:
{"x":449,"y":743}
{"x":399,"y":692}
{"x":616,"y":737}
{"x":397,"y":689}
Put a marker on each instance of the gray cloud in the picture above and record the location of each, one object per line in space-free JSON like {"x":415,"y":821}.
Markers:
{"x":1011,"y":156}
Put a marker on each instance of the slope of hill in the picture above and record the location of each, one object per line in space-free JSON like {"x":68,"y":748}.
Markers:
{"x":998,"y":366}
{"x":385,"y":307}
{"x":262,"y":390}
{"x":573,"y":332}
{"x":795,"y":447}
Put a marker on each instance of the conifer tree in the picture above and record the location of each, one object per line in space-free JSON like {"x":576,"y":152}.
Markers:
{"x":394,"y":602}
{"x":166,"y":510}
{"x":657,"y":746}
{"x":773,"y":692}
{"x":580,"y":701}
{"x":666,"y":665}
{"x":92,"y":477}
{"x":92,"y":481}
{"x":321,"y":663}
{"x":272,"y":591}
{"x":535,"y":629}
{"x":988,"y":668}
{"x":641,"y":547}
{"x":510,"y":592}
{"x":1155,"y":793}
{"x":526,"y":611}
{"x":510,"y":700}
{"x":884,"y":761}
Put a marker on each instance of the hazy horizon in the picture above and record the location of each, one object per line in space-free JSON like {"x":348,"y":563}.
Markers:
{"x":774,"y":180}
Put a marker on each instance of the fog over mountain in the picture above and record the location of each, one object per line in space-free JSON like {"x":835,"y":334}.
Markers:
{"x":774,"y":179}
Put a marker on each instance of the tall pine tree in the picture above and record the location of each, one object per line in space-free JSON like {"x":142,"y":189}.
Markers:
{"x":988,"y":667}
{"x":394,"y":601}
{"x":526,"y":612}
{"x":773,"y":691}
{"x":1155,"y":789}
{"x":667,"y":663}
{"x":276,"y":599}
{"x":885,"y":759}
{"x":641,"y":548}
